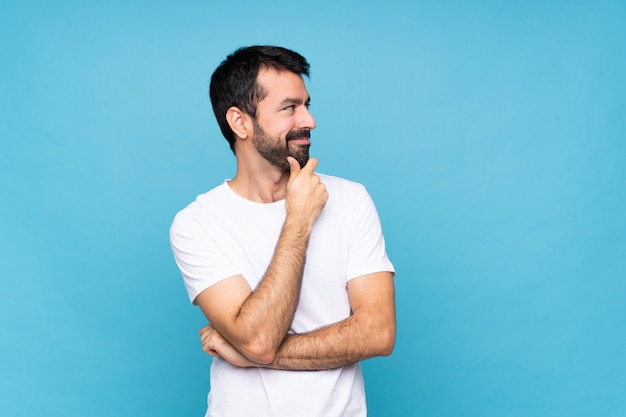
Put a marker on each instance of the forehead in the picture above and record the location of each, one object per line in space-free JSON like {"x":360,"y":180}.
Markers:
{"x":279,"y":85}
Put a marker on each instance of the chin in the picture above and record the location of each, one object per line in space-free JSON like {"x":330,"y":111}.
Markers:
{"x":302,"y":159}
{"x":301,"y":155}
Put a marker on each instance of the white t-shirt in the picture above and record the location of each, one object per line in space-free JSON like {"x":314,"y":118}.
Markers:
{"x":222,"y":234}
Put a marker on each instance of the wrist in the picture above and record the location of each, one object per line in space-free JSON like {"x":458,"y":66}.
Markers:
{"x":298,"y":226}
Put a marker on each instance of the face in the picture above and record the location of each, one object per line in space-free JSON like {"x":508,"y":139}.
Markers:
{"x":283,"y":124}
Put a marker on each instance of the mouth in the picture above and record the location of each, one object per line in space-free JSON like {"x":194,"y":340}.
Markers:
{"x":300,"y":141}
{"x":299,"y":137}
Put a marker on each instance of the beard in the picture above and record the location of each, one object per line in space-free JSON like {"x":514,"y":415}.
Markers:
{"x":276,"y":153}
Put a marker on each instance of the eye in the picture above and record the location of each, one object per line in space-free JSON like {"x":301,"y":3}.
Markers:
{"x":290,"y":108}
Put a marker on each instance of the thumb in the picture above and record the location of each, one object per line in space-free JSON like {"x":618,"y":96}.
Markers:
{"x":294,"y":168}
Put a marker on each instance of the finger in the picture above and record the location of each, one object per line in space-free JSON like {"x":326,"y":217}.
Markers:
{"x":207,"y":345}
{"x":294,"y":168}
{"x":311,"y":164}
{"x":206,"y":336}
{"x":210,"y":351}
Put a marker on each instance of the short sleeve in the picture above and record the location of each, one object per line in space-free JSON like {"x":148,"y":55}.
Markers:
{"x":367,"y":252}
{"x":200,"y":260}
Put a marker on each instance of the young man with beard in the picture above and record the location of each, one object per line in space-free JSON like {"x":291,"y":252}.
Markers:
{"x":288,"y":265}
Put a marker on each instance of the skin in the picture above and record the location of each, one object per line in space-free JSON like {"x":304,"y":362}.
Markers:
{"x":249,"y":328}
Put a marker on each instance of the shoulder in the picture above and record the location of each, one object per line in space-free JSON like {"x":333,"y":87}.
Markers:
{"x":204,"y":204}
{"x":342,"y":185}
{"x":203,"y":201}
{"x":346,"y":196}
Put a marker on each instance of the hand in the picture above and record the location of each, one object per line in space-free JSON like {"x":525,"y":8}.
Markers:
{"x":215,"y":345}
{"x":306,"y":195}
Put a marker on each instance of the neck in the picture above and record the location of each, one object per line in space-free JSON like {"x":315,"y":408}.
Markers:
{"x":262,"y":184}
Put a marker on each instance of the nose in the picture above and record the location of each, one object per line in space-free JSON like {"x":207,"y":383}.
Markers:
{"x":306,"y":120}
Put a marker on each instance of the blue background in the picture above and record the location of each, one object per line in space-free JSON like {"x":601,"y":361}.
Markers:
{"x":490,"y":134}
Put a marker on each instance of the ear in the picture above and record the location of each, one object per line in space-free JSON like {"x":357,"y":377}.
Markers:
{"x":239,"y":122}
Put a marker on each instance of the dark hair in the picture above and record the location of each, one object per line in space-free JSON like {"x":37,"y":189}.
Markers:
{"x":234,"y":82}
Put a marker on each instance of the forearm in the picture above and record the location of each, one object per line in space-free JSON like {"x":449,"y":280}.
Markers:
{"x":369,"y":331}
{"x":266,"y":314}
{"x":325,"y":348}
{"x":351,"y":340}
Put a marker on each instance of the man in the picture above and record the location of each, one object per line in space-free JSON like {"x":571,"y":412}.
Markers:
{"x":288,"y":265}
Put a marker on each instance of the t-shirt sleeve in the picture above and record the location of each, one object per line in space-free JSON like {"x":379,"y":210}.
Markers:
{"x":200,"y":260}
{"x":367,"y":252}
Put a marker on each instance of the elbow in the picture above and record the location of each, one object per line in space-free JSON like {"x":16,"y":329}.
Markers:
{"x":384,"y":337}
{"x":379,"y":335}
{"x":262,"y":357}
{"x":387,"y":340}
{"x":259,"y":352}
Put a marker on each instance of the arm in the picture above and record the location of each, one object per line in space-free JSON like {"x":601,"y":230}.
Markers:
{"x":255,"y":322}
{"x":368,"y":332}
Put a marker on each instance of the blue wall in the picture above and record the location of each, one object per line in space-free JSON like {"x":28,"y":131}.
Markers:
{"x":491,"y":136}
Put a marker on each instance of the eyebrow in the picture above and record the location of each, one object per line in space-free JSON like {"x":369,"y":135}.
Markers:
{"x":289,"y":101}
